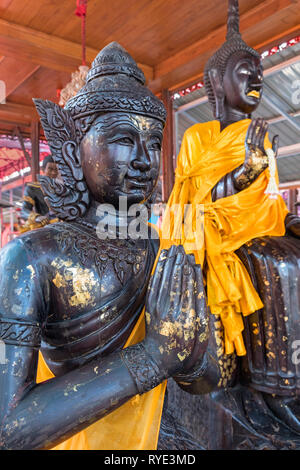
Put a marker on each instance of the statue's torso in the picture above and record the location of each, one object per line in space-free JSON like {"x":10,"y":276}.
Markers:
{"x":94,"y":291}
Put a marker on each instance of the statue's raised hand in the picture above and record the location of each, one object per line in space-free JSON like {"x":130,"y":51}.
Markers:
{"x":256,"y":159}
{"x":176,"y":313}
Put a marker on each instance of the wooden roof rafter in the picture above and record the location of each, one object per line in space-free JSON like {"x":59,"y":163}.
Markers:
{"x":46,"y":49}
{"x":35,"y":53}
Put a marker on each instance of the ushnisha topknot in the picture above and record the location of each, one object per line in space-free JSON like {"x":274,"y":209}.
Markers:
{"x":234,"y":43}
{"x":115,"y":83}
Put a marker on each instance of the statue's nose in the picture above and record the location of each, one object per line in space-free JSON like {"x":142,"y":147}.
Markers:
{"x":142,"y":160}
{"x":257,"y":77}
{"x":141,"y":165}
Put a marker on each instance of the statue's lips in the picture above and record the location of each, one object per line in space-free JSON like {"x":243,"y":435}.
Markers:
{"x":254,"y":93}
{"x":138,"y":182}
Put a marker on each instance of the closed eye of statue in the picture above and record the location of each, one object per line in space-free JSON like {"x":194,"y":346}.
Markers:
{"x":154,"y":144}
{"x":123,"y":141}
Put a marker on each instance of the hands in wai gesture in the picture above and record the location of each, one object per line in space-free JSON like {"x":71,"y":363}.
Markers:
{"x":176,"y":312}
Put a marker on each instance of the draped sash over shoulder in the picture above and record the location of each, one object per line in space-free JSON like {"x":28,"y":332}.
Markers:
{"x":206,"y":156}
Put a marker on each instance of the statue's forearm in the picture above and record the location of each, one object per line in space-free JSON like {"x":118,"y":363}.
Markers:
{"x":255,"y":163}
{"x":240,"y":178}
{"x":292,"y":225}
{"x":225,"y":187}
{"x":244,"y":175}
{"x":234,"y":182}
{"x":290,"y":220}
{"x":55,"y":410}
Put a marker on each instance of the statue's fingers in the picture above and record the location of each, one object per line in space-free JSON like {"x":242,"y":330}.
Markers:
{"x":250,"y":131}
{"x":198,"y":319}
{"x":165,"y":280}
{"x":187,"y":302}
{"x":155,"y":279}
{"x":199,"y":292}
{"x":201,"y":321}
{"x":257,"y":131}
{"x":174,"y":294}
{"x":262,"y":135}
{"x":201,"y":310}
{"x":275,"y":145}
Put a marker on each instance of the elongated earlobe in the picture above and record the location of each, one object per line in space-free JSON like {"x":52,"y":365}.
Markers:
{"x":217,"y":86}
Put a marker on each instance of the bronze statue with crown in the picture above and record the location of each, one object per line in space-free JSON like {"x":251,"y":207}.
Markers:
{"x":249,"y":379}
{"x":80,"y":370}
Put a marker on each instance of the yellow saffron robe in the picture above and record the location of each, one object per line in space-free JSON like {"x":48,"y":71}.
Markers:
{"x":206,"y":156}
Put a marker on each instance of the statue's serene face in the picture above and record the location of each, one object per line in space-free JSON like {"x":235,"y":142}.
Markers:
{"x":120,"y":156}
{"x":243,"y":81}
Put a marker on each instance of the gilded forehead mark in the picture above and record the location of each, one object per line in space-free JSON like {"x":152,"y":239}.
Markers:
{"x":142,"y":123}
{"x":139,"y":122}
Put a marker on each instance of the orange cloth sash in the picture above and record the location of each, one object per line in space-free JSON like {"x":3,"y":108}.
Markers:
{"x":133,"y":426}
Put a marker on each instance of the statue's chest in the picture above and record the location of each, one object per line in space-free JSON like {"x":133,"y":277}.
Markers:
{"x":96,"y":292}
{"x":88,"y":272}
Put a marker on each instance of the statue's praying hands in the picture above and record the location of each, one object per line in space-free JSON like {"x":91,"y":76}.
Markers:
{"x":176,"y":312}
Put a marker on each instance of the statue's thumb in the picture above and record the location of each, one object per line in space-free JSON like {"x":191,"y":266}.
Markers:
{"x":275,"y":145}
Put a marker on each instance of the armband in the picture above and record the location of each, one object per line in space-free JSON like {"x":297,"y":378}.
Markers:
{"x":143,"y":369}
{"x":20,"y":333}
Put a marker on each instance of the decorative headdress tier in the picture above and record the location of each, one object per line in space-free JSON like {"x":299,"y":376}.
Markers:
{"x":115,"y":83}
{"x":234,"y":43}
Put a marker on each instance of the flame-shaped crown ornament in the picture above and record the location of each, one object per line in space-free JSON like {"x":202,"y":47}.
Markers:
{"x":233,"y":44}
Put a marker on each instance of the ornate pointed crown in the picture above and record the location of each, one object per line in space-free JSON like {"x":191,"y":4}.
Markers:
{"x":234,"y":43}
{"x":115,"y":83}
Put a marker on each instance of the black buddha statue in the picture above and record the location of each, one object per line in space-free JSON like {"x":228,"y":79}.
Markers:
{"x":252,"y":401}
{"x":76,"y":297}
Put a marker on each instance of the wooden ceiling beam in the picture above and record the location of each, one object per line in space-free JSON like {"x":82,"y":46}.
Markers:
{"x":47,"y":50}
{"x":182,"y":67}
{"x":11,"y":123}
{"x":18,"y":113}
{"x":14,"y":72}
